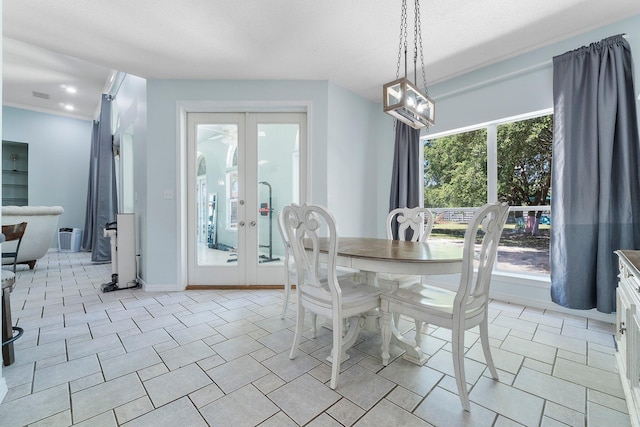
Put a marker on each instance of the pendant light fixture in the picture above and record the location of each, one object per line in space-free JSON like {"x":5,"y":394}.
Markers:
{"x":403,"y":99}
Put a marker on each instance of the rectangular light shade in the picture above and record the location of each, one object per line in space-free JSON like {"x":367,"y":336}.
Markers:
{"x":407,"y":103}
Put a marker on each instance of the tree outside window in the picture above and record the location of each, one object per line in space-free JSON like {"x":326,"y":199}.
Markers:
{"x":456,"y":177}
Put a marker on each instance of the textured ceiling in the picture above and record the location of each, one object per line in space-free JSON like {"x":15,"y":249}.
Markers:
{"x":353,"y":43}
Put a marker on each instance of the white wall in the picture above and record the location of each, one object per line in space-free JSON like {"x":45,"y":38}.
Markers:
{"x":59,"y":150}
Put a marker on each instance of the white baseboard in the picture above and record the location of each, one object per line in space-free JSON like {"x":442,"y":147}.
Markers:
{"x":159,"y":287}
{"x":522,"y":290}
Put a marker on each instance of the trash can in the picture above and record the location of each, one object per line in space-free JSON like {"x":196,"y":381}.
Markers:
{"x":69,"y":239}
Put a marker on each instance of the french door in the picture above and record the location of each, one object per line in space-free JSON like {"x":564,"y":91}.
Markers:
{"x":242,"y":169}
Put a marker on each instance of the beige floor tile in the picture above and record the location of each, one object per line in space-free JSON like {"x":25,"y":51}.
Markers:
{"x":517,"y":405}
{"x":65,"y":372}
{"x":177,"y":413}
{"x":443,"y":408}
{"x":175,"y":384}
{"x":103,"y":397}
{"x":304,"y":398}
{"x":386,"y":413}
{"x":34,"y":407}
{"x":244,"y":407}
{"x":563,"y":392}
{"x":217,"y":357}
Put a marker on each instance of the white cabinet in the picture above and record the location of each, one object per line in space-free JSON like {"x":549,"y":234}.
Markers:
{"x":628,"y":329}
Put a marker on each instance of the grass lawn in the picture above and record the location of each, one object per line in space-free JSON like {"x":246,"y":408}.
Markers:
{"x":510,"y":236}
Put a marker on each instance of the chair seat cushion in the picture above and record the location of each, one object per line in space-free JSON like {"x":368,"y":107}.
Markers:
{"x":428,"y":298}
{"x":353,"y":294}
{"x":340,"y":272}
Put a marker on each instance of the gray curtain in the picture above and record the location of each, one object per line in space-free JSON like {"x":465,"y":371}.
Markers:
{"x":102,"y":202}
{"x":405,"y":178}
{"x":595,"y":182}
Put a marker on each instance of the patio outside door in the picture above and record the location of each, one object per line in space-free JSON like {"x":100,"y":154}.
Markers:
{"x":243,"y":168}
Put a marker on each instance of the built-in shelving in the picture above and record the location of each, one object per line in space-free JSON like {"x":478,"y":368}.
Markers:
{"x":15,"y":173}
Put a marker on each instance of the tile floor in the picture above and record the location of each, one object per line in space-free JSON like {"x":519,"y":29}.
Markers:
{"x":220,"y":358}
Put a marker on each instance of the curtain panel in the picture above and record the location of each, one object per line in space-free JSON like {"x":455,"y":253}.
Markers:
{"x":102,"y":202}
{"x":595,"y":204}
{"x":406,"y":172}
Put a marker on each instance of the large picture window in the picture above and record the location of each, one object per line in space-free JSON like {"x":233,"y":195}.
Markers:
{"x":503,"y":161}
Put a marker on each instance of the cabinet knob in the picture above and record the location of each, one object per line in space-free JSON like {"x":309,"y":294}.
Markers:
{"x":622,"y":328}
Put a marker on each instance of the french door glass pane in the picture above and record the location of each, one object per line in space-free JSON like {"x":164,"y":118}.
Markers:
{"x":216,"y":194}
{"x":278,"y":183}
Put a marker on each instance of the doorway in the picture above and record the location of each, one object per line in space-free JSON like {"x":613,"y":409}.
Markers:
{"x":242,"y":169}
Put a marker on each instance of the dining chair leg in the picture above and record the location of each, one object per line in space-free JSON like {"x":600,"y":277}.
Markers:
{"x":484,"y":340}
{"x":314,"y":325}
{"x":298,"y":333}
{"x":385,"y":332}
{"x":335,"y":352}
{"x":287,"y":293}
{"x":458,"y":366}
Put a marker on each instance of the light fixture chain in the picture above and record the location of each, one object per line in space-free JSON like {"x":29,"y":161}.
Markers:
{"x":403,"y":39}
{"x":419,"y":35}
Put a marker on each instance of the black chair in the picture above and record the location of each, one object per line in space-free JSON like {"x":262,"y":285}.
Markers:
{"x":11,"y":233}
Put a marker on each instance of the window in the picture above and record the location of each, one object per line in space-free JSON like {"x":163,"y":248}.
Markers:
{"x":507,"y":161}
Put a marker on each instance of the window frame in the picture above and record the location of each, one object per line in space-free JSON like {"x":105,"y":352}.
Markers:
{"x":492,"y":177}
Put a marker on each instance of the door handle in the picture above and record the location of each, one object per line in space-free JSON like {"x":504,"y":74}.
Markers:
{"x":241,"y":223}
{"x":253,"y":223}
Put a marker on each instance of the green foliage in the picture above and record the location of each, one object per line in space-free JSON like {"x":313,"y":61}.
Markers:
{"x":524,"y":161}
{"x":456,"y":165}
{"x":456,"y":170}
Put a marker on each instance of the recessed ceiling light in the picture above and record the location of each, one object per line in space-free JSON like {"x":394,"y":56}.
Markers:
{"x":67,"y":107}
{"x":69,"y":89}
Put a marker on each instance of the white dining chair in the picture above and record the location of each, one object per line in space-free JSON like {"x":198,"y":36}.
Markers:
{"x":417,"y":220}
{"x":290,"y":273}
{"x":460,"y":310}
{"x":413,"y":224}
{"x":343,"y":300}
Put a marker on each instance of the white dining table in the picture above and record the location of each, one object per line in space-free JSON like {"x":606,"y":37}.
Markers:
{"x":372,"y":256}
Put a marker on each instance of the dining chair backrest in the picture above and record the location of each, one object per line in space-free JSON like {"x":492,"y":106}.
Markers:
{"x":290,"y":275}
{"x":418,"y":220}
{"x":303,"y":225}
{"x":285,"y":238}
{"x":489,"y":219}
{"x":12,"y":233}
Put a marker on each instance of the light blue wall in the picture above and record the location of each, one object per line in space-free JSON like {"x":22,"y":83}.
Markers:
{"x":59,"y":150}
{"x":163,"y":135}
{"x":359,"y":172}
{"x":519,"y":85}
{"x":345,"y":133}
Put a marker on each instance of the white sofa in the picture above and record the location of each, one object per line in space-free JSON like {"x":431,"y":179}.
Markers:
{"x":42,"y":225}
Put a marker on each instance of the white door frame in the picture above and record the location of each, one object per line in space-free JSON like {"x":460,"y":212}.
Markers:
{"x":185,"y":107}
